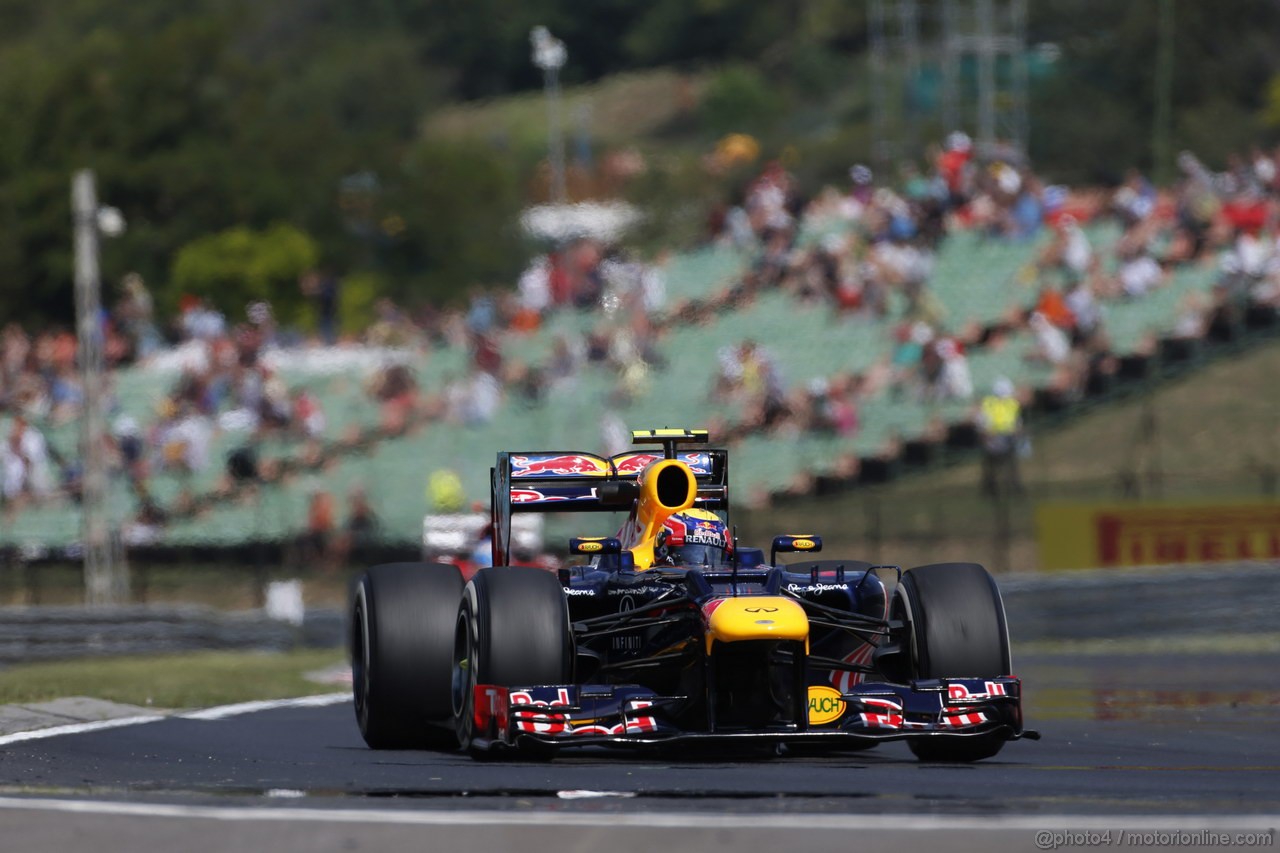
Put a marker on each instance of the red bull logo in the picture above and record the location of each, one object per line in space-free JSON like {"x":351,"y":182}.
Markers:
{"x":636,"y":462}
{"x":569,"y":464}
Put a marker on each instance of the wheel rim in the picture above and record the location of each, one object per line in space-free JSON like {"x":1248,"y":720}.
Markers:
{"x":464,"y":678}
{"x":360,"y":660}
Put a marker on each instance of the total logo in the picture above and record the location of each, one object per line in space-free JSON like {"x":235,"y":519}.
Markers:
{"x":825,"y":705}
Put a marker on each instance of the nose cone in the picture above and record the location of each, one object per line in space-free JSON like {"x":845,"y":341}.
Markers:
{"x":763,"y":617}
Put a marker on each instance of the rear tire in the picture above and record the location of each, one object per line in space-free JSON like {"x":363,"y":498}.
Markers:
{"x":512,"y":630}
{"x":402,"y":654}
{"x":957,"y":630}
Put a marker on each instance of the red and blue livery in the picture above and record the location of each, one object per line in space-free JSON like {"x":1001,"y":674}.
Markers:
{"x":671,"y":632}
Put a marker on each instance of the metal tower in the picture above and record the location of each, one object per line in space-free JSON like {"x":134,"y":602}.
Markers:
{"x":993,"y":33}
{"x":894,"y":37}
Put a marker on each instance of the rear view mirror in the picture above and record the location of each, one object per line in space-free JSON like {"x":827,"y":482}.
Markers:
{"x":792,"y":542}
{"x":593,"y":545}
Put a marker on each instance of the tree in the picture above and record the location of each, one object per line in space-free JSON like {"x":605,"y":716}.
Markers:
{"x":238,"y":266}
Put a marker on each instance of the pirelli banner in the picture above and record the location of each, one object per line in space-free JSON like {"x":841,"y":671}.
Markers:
{"x":1084,"y":536}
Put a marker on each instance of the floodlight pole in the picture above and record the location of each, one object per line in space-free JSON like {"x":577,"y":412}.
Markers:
{"x":106,"y":574}
{"x":549,"y":54}
{"x":1161,"y":157}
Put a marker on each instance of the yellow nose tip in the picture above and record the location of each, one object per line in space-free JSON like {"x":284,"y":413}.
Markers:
{"x":732,"y":620}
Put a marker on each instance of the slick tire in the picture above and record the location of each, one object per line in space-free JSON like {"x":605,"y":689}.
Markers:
{"x":511,"y":630}
{"x":957,"y":630}
{"x":402,"y":617}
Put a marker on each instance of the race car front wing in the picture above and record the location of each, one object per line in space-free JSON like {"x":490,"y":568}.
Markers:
{"x":621,"y":715}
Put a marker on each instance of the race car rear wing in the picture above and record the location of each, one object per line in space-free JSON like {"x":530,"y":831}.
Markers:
{"x":545,"y":481}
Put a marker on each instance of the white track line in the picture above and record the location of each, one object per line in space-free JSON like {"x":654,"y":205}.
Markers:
{"x":224,"y":711}
{"x":219,"y":713}
{"x":78,"y":728}
{"x":666,"y":820}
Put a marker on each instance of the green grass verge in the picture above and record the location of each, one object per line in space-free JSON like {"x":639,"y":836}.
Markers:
{"x":195,"y":680}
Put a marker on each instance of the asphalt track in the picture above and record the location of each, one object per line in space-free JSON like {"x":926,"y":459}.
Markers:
{"x":1132,"y":742}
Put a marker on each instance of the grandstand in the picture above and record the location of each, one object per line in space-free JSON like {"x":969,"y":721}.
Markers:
{"x":977,"y":280}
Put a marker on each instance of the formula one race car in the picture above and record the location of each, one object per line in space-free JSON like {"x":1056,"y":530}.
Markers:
{"x":671,"y":632}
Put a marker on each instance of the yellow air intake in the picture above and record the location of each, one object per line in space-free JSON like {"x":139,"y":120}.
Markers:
{"x":666,"y":487}
{"x":755,"y":617}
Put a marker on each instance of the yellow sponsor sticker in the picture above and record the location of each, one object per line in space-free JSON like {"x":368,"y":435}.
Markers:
{"x":825,"y":705}
{"x":802,"y":544}
{"x":588,"y":547}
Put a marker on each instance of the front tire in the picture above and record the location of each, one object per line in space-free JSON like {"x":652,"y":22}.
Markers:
{"x":512,"y":630}
{"x":957,"y":629}
{"x":402,"y":653}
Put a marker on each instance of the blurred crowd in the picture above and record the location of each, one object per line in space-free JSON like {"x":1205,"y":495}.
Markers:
{"x":878,"y":265}
{"x":864,"y":251}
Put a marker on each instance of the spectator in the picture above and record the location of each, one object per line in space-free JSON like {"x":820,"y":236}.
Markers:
{"x":146,"y":525}
{"x":535,"y":285}
{"x":954,"y":167}
{"x":315,"y":546}
{"x":653,"y":283}
{"x":1136,"y":199}
{"x":183,"y":440}
{"x":129,"y":445}
{"x":840,"y":413}
{"x":360,"y":530}
{"x":274,"y":409}
{"x":199,"y":321}
{"x":955,"y":381}
{"x":749,"y":375}
{"x":1052,"y":344}
{"x":1139,"y":274}
{"x":396,"y":389}
{"x":1069,"y":250}
{"x":1000,"y":427}
{"x":242,"y":465}
{"x":1085,"y":312}
{"x":24,"y":464}
{"x":564,"y":365}
{"x":1191,"y":322}
{"x":308,"y":415}
{"x":321,"y":286}
{"x":134,"y":315}
{"x":362,"y":522}
{"x":390,"y":328}
{"x":1053,"y":306}
{"x":483,"y":396}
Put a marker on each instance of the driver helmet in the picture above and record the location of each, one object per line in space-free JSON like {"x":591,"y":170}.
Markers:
{"x":695,"y":537}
